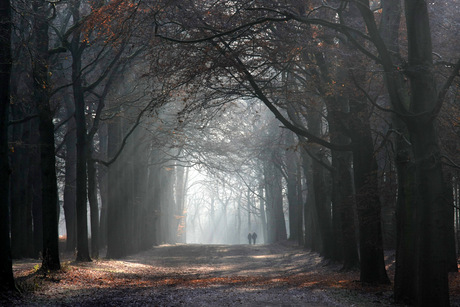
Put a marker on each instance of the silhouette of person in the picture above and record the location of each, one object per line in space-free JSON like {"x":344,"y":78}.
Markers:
{"x":254,"y":237}
{"x":249,"y":238}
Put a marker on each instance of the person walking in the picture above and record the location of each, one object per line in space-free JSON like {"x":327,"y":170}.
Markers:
{"x":254,"y":237}
{"x":249,"y":238}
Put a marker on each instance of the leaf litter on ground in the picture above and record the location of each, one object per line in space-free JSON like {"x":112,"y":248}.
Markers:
{"x":204,"y":275}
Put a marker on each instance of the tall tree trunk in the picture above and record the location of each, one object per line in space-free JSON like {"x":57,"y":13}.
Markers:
{"x":6,"y":270}
{"x":93,"y":204}
{"x":76,"y":49}
{"x":49,"y":191}
{"x":70,"y":180}
{"x":320,"y":187}
{"x":405,"y":269}
{"x":167,"y":205}
{"x":140,"y":179}
{"x":269,"y":202}
{"x":365,"y":166}
{"x":82,"y":146}
{"x":212,"y":222}
{"x":248,"y":208}
{"x":103,"y":186}
{"x":431,"y":281}
{"x":116,"y":245}
{"x":82,"y":199}
{"x":277,"y":194}
{"x":275,"y":214}
{"x":262,"y":210}
{"x":292,"y":188}
{"x":181,"y":183}
{"x":300,"y":202}
{"x":238,"y":220}
{"x":22,"y":244}
{"x":153,"y":201}
{"x":452,"y":265}
{"x":343,"y":201}
{"x":35,"y":182}
{"x":432,"y":210}
{"x":311,"y":226}
{"x":47,"y":149}
{"x":368,"y":204}
{"x":344,"y":207}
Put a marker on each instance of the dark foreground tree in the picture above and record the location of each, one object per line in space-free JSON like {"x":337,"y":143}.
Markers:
{"x":418,"y":106}
{"x":6,"y":271}
{"x":50,"y":198}
{"x":76,"y":50}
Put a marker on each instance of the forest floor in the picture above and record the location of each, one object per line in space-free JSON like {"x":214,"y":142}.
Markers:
{"x":202,"y":275}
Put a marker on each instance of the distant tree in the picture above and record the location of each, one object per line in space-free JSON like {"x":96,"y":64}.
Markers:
{"x":70,"y":177}
{"x":294,"y":192}
{"x":179,"y":214}
{"x":247,"y":70}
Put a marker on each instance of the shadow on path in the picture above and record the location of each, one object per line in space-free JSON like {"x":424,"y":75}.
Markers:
{"x":194,"y":275}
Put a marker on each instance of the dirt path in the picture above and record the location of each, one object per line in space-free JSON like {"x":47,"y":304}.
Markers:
{"x":197,"y":275}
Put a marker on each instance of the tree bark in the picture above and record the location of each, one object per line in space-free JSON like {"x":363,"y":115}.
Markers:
{"x":369,"y":209}
{"x":22,"y":244}
{"x":262,"y":210}
{"x":50,"y":205}
{"x":431,"y":255}
{"x":93,"y":204}
{"x":275,"y":215}
{"x":103,"y":185}
{"x":181,"y":183}
{"x":82,"y":147}
{"x":35,"y":182}
{"x":365,"y":165}
{"x":418,"y":108}
{"x":405,"y":269}
{"x":452,"y":265}
{"x":116,"y":245}
{"x":343,"y":200}
{"x":321,"y":187}
{"x":6,"y":270}
{"x":300,"y":202}
{"x":292,"y":188}
{"x":70,"y":180}
{"x":311,"y":228}
{"x":432,"y":208}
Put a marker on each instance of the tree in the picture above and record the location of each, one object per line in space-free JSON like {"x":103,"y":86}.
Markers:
{"x":46,"y":128}
{"x":6,"y":270}
{"x":70,"y":178}
{"x":93,"y":67}
{"x":292,"y":162}
{"x":418,"y":106}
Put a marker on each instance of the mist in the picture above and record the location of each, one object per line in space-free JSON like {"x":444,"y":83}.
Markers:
{"x":128,"y":125}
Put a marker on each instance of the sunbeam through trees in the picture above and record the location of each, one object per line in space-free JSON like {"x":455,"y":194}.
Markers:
{"x":326,"y":128}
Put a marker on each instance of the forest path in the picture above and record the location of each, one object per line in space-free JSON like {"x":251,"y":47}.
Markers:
{"x":198,"y":275}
